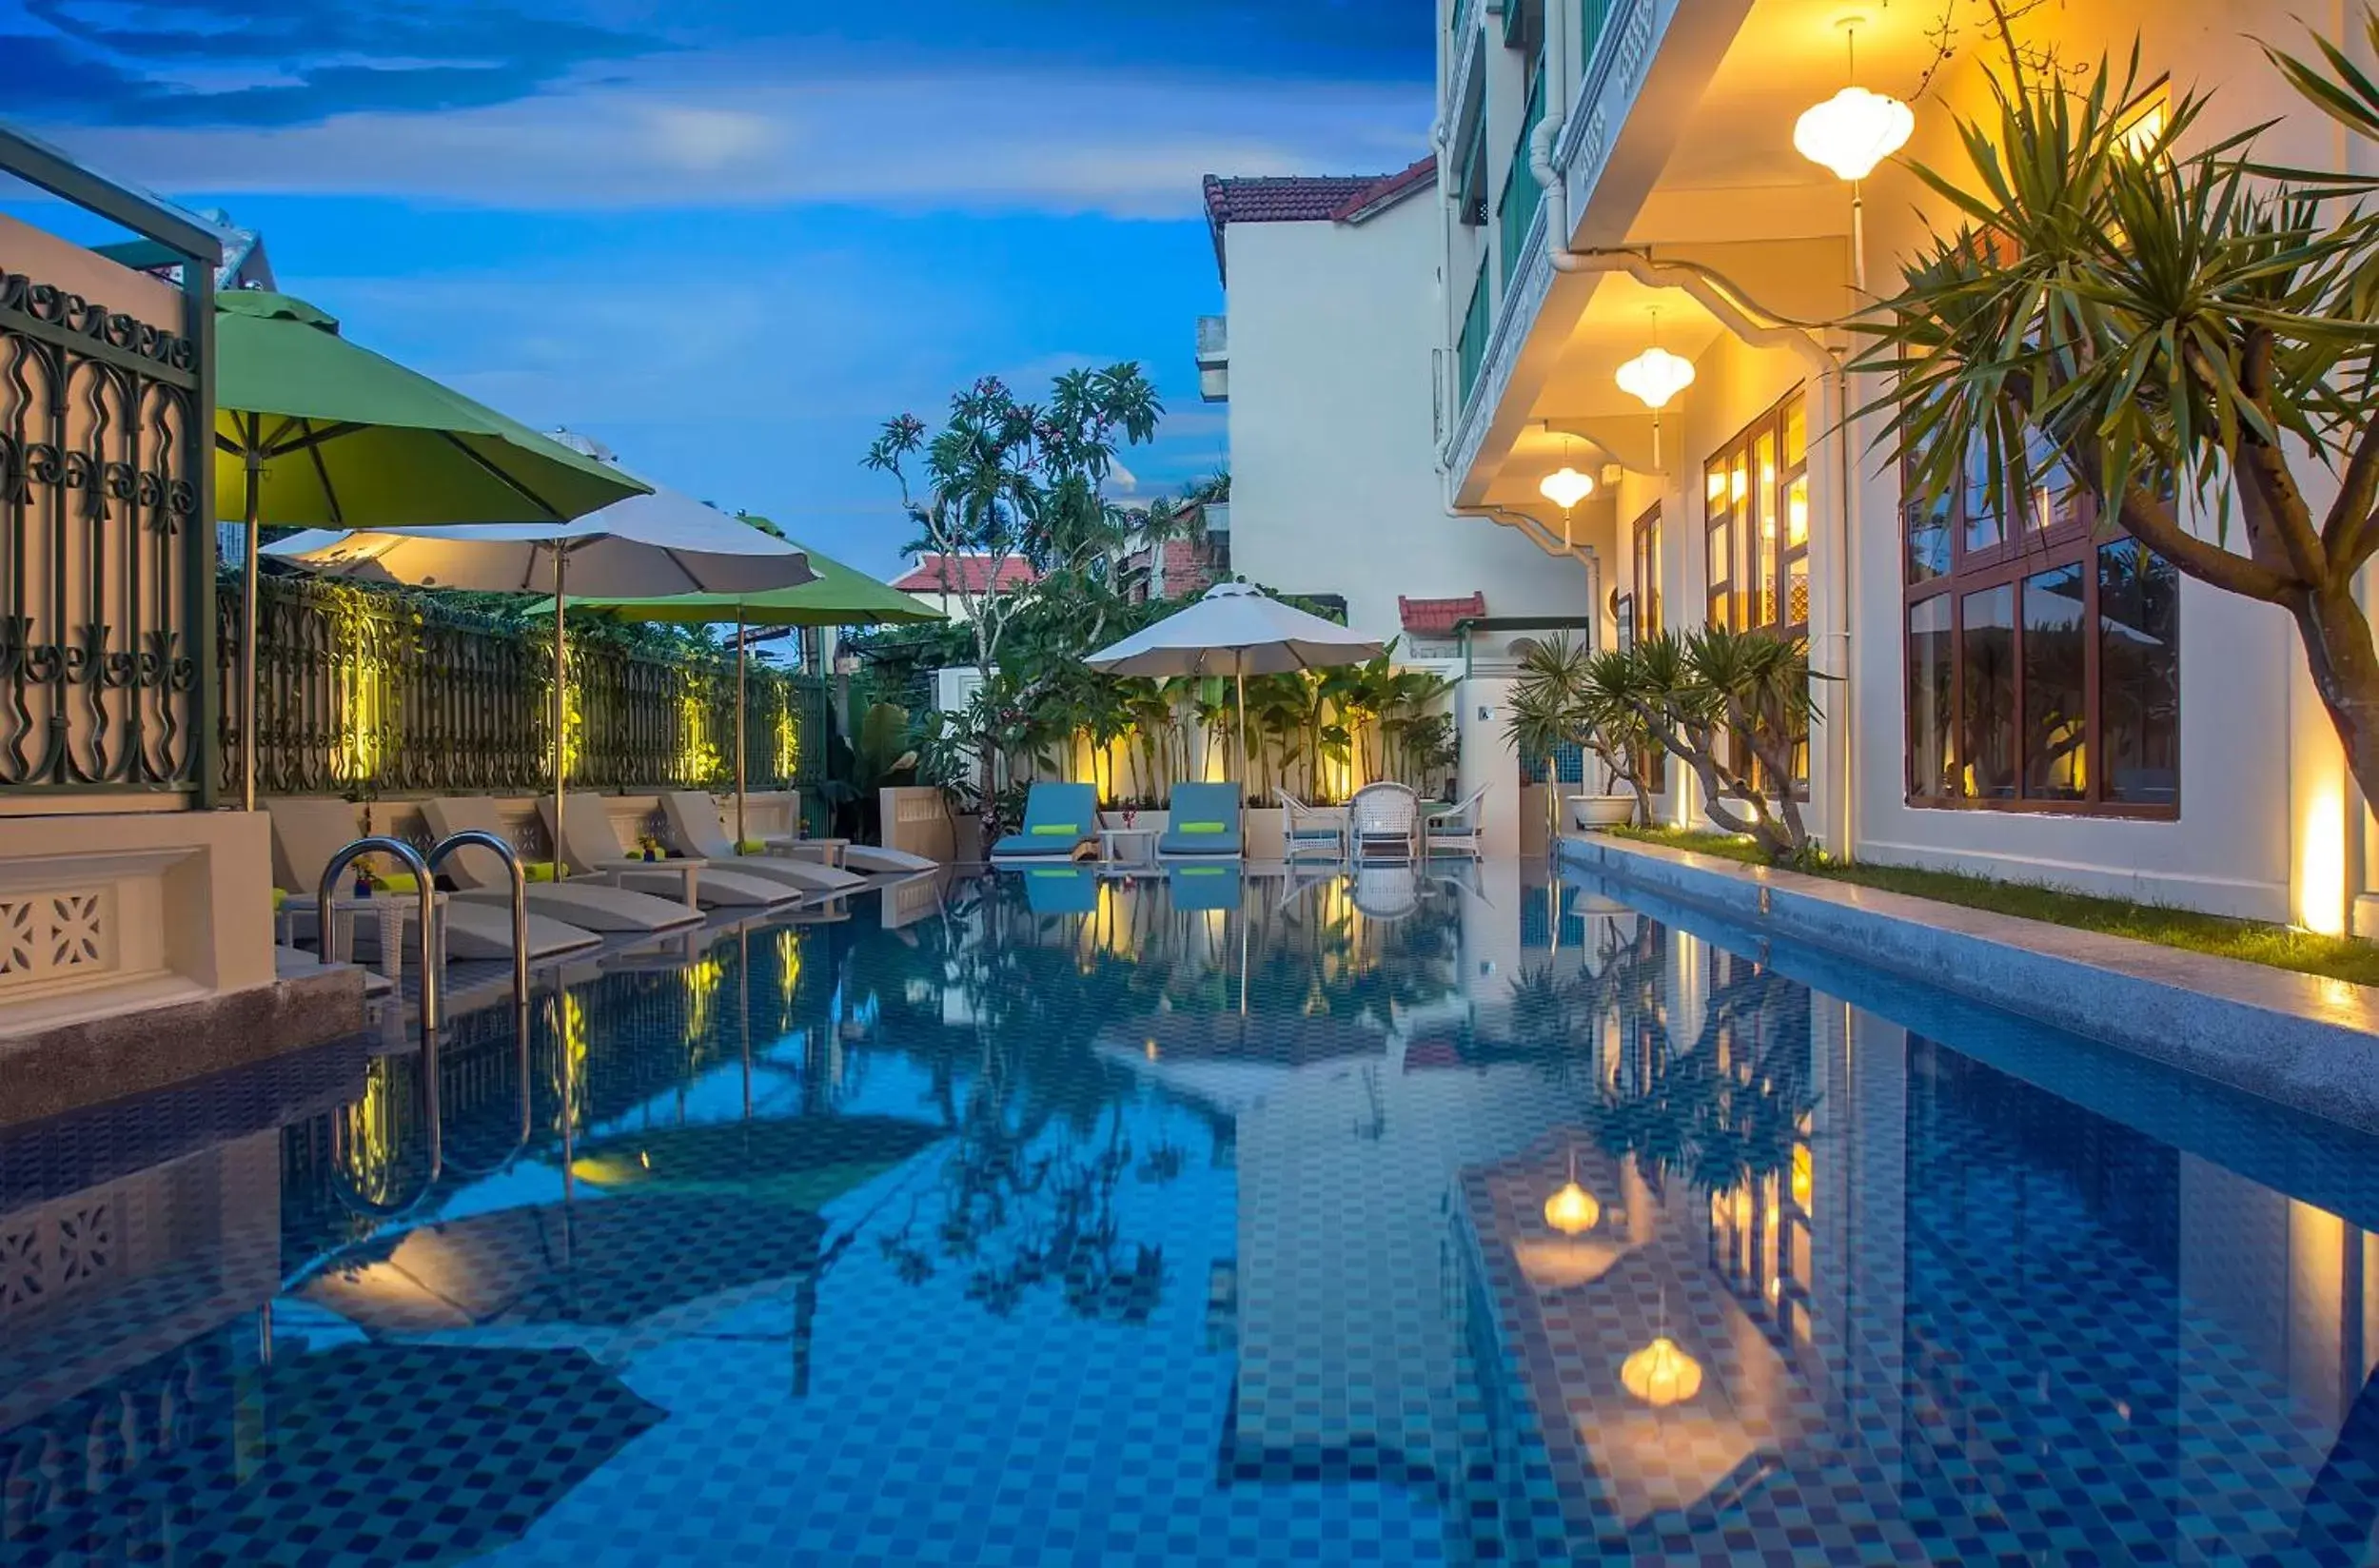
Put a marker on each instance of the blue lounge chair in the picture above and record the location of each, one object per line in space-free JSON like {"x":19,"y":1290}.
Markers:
{"x":1204,"y":886}
{"x":1058,"y":819}
{"x":1203,"y":825}
{"x":1060,"y":890}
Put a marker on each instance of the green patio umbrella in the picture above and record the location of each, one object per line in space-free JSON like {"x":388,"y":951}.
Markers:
{"x":840,"y":595}
{"x":314,"y":430}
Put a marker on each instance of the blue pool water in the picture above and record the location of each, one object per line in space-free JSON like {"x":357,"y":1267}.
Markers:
{"x":1197,"y":1223}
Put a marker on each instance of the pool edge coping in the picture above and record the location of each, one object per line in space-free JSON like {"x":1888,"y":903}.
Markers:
{"x":2303,"y":1041}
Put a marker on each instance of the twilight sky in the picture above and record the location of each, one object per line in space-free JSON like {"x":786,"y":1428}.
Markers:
{"x":729,"y":237}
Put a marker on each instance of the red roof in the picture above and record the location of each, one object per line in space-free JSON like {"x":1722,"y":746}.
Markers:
{"x":939,"y":574}
{"x":1308,"y":198}
{"x":1435,"y":618}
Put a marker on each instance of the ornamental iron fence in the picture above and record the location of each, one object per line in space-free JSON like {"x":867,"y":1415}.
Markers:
{"x":105,"y":455}
{"x":361,"y":691}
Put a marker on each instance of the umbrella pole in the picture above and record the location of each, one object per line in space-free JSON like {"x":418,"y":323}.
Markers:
{"x":255,"y":463}
{"x":741,"y":656}
{"x":562,"y":710}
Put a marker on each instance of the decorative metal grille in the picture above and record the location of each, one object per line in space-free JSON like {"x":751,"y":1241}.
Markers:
{"x":370,"y":691}
{"x":103,"y":442}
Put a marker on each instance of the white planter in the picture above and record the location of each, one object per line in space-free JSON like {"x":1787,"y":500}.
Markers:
{"x":1591,"y":811}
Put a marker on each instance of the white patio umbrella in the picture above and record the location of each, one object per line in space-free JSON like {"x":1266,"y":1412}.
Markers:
{"x":663,"y":543}
{"x":1236,"y":631}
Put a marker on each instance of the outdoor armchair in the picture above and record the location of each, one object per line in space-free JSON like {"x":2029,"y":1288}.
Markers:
{"x":1384,"y":822}
{"x":1058,"y":819}
{"x":1312,"y":830}
{"x":1203,"y":824}
{"x":1459,"y":828}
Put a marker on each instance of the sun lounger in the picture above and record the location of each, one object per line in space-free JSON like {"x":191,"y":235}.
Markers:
{"x":1058,"y":819}
{"x":1060,"y":890}
{"x":1204,"y":886}
{"x":479,"y":877}
{"x":694,"y":827}
{"x":590,"y":845}
{"x":307,"y":833}
{"x":1204,"y":824}
{"x":876,"y":860}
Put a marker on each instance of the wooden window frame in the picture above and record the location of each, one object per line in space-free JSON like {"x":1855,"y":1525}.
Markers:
{"x":2017,"y":556}
{"x":1748,"y":550}
{"x":1646,"y":535}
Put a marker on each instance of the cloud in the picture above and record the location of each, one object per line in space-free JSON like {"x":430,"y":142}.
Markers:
{"x":739,"y":131}
{"x":272,"y":62}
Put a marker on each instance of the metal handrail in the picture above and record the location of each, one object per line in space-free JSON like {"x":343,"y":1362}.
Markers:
{"x":326,"y":924}
{"x":478,"y":838}
{"x":325,"y":913}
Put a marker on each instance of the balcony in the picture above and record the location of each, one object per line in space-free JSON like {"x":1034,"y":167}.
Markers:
{"x":1470,"y":351}
{"x":1521,"y":194}
{"x":1214,"y":358}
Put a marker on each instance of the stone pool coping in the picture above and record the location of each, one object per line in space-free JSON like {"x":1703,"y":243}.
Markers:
{"x":2301,"y":1040}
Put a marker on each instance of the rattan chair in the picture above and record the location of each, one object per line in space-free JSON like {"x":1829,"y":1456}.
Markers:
{"x":1383,"y":823}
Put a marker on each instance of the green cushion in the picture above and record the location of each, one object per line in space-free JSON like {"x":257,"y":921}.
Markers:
{"x":1054,"y":830}
{"x":280,"y":896}
{"x":538,"y":870}
{"x":751,"y":846}
{"x":1203,"y":828}
{"x":396,"y":882}
{"x":1201,"y":871}
{"x":1068,"y":873}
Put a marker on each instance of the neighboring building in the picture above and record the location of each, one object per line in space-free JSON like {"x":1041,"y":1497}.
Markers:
{"x":2169,"y":744}
{"x":245,"y":264}
{"x":1325,"y":361}
{"x":1193,"y":556}
{"x":947,"y":582}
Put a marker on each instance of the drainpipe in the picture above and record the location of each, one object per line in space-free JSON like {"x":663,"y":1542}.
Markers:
{"x":1760,"y":327}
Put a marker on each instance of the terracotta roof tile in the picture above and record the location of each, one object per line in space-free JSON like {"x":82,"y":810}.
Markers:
{"x":935,"y":573}
{"x":1435,"y":618}
{"x":1306,"y":199}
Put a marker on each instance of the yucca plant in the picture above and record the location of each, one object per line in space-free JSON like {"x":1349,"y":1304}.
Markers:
{"x":1736,"y":708}
{"x":1567,"y":694}
{"x":2186,"y":330}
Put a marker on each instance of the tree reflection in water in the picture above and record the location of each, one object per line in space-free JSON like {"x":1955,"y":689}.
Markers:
{"x":1003,"y":1006}
{"x":1724,"y":1112}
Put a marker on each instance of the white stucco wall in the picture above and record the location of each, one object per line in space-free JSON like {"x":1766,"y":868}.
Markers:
{"x":1334,"y":486}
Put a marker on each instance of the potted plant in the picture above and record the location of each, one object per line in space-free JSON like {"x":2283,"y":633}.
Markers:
{"x":1567,"y":694}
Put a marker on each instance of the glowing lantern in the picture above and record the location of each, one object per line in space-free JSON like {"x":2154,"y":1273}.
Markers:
{"x":1572,"y":1211}
{"x":1566,"y":487}
{"x":1853,"y":131}
{"x":1660,"y":1373}
{"x":1654,"y":376}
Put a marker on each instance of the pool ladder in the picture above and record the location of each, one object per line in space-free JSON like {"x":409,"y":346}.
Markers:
{"x":423,"y":869}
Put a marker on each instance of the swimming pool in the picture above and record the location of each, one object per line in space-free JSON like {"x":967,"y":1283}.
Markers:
{"x":1213,"y":1220}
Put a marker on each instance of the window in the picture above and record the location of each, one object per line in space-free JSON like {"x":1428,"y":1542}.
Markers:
{"x":1755,"y":490}
{"x":2042,"y":670}
{"x":1647,"y":580}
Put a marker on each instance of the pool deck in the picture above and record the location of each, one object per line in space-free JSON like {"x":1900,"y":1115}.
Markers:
{"x":2303,"y":1041}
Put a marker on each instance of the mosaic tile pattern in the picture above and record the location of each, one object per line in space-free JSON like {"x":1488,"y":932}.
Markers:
{"x":1009,"y":1238}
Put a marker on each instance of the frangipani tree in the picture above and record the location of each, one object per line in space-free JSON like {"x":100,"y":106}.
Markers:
{"x":2187,"y":331}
